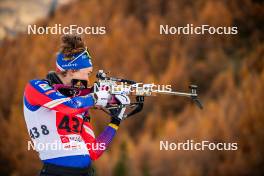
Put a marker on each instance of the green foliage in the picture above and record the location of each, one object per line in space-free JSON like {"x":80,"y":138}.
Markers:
{"x":121,"y":168}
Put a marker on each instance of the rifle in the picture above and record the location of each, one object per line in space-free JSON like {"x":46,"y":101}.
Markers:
{"x":120,"y":86}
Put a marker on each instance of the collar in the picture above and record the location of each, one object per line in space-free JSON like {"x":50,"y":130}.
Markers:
{"x":53,"y":78}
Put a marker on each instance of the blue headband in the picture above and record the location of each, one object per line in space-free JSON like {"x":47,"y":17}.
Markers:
{"x":74,"y":62}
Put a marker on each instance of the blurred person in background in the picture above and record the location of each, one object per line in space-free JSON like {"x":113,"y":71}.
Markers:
{"x":56,"y":111}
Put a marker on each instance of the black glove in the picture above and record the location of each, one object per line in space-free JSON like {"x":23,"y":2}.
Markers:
{"x":118,"y":114}
{"x":114,"y":114}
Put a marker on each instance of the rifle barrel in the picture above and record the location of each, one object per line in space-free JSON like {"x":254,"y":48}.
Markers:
{"x":175,"y":93}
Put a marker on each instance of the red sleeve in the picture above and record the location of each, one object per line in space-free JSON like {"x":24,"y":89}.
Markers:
{"x":39,"y":92}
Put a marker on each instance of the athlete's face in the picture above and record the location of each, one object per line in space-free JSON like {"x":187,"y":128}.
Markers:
{"x":82,"y":74}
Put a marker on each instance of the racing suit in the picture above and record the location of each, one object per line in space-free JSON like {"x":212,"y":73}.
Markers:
{"x":53,"y":118}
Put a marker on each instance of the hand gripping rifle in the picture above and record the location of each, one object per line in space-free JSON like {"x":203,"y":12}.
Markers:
{"x":119,"y":86}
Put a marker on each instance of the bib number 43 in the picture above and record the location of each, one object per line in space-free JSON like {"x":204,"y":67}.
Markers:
{"x":66,"y":125}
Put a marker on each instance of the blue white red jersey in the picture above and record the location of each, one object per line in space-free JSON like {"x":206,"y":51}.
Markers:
{"x":53,"y":118}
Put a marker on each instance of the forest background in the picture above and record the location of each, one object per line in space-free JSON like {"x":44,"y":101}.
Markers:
{"x":227,"y":68}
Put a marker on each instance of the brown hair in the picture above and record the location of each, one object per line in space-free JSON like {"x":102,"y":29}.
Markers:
{"x":72,"y":44}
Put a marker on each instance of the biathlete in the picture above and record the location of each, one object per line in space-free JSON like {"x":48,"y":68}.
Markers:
{"x":55,"y":112}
